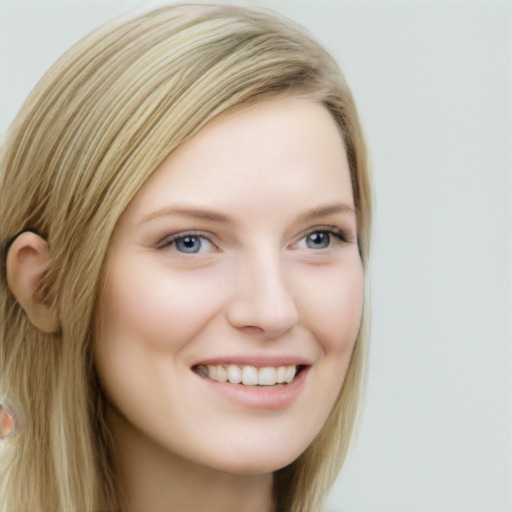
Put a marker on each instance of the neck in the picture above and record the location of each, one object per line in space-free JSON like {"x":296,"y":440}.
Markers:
{"x":153,"y":478}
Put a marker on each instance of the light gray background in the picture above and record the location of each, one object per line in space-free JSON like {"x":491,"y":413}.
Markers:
{"x":433,"y":81}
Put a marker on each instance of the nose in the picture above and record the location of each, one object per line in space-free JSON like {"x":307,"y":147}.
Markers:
{"x":262,"y":301}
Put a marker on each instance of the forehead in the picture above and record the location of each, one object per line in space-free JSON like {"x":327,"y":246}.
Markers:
{"x":262,"y":155}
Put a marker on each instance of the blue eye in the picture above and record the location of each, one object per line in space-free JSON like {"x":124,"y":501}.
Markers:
{"x":321,"y":239}
{"x":189,"y":244}
{"x":318,"y":240}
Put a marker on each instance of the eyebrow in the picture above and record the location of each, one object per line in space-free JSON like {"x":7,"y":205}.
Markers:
{"x":313,"y":213}
{"x":190,"y":212}
{"x":323,"y":211}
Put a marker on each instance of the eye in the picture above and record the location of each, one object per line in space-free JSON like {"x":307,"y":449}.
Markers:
{"x":319,"y":239}
{"x":189,"y":244}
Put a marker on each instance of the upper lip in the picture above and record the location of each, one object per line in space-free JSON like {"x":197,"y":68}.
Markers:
{"x":258,"y":361}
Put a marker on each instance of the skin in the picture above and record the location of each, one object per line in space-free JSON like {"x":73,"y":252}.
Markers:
{"x":265,"y":196}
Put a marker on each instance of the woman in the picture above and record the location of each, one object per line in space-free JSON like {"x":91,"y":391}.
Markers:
{"x":185,"y":218}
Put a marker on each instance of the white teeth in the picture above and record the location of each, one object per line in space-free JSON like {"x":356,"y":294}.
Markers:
{"x":222,"y":374}
{"x":281,"y":374}
{"x":249,"y":375}
{"x":267,"y":376}
{"x":234,"y":374}
{"x":212,"y":372}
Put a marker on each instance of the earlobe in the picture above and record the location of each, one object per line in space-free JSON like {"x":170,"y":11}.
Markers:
{"x":27,"y":261}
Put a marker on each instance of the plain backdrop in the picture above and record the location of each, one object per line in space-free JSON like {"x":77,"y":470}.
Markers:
{"x":433,"y":83}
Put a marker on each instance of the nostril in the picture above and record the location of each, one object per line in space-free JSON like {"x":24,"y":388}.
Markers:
{"x":260,"y":322}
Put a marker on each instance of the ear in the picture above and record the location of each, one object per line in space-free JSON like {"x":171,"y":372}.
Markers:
{"x":27,"y":261}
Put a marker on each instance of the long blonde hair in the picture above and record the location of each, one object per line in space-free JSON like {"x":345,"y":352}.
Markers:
{"x":84,"y":143}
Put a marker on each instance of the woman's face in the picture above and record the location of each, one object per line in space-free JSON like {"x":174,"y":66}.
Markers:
{"x":237,"y":260}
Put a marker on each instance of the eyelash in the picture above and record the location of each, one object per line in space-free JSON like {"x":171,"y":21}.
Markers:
{"x":339,"y":234}
{"x":181,"y":236}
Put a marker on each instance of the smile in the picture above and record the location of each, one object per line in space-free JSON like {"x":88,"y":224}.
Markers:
{"x":248,"y":375}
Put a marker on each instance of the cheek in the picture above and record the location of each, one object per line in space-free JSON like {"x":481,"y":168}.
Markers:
{"x":334,"y":309}
{"x":332,"y":312}
{"x":158,"y":310}
{"x":148,"y":320}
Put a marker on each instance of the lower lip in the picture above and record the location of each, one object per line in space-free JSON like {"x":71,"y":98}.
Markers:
{"x":274,"y":398}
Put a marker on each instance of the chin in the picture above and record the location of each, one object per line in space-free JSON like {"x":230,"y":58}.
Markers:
{"x":265,"y":461}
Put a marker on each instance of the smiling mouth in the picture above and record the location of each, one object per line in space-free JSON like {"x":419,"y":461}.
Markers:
{"x":248,"y":375}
